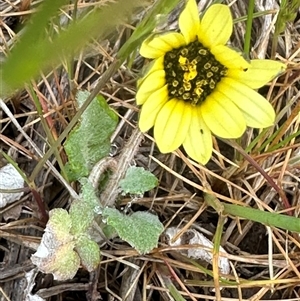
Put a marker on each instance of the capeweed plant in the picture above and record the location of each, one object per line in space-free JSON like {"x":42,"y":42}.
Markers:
{"x":69,"y":240}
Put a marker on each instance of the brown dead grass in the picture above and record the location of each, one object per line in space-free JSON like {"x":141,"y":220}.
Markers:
{"x":265,"y":261}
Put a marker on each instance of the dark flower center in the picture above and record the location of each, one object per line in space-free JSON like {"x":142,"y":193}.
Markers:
{"x":192,"y":72}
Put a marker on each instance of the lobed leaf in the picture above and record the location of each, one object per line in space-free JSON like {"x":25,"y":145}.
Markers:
{"x":89,"y":141}
{"x":140,"y":229}
{"x":138,"y":180}
{"x":89,"y":253}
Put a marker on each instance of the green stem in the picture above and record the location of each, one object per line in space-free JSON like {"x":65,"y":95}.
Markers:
{"x":248,"y":28}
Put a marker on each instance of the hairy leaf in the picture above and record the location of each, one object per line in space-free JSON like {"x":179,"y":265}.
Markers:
{"x":89,"y":141}
{"x":138,"y":180}
{"x":140,"y":229}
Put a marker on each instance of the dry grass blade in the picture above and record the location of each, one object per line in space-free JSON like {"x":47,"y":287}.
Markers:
{"x":265,"y":261}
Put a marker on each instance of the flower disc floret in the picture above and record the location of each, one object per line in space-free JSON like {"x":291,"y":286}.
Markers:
{"x":197,"y":85}
{"x":192,"y":72}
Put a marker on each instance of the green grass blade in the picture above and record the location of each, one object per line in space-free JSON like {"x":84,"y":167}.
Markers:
{"x":24,"y":58}
{"x":31,"y":57}
{"x":272,"y":219}
{"x":249,"y":28}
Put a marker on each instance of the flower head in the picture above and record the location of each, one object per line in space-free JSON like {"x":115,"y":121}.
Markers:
{"x":197,"y":86}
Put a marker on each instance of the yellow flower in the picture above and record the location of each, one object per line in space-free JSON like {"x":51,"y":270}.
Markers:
{"x":197,"y":86}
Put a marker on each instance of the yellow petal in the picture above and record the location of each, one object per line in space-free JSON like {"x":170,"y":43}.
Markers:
{"x":257,"y":111}
{"x":157,"y":64}
{"x":189,"y":21}
{"x":172,"y":124}
{"x":157,"y":45}
{"x":198,"y":142}
{"x":215,"y":26}
{"x":149,"y":85}
{"x":151,"y":108}
{"x":229,"y":57}
{"x":222,"y":116}
{"x":259,"y":73}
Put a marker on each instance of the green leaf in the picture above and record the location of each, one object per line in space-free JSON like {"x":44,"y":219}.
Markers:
{"x":89,"y":253}
{"x":140,"y":229}
{"x":89,"y":141}
{"x":60,"y":224}
{"x":55,"y":253}
{"x":82,"y":217}
{"x":64,"y":263}
{"x":108,"y":231}
{"x":138,"y":180}
{"x":88,"y":194}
